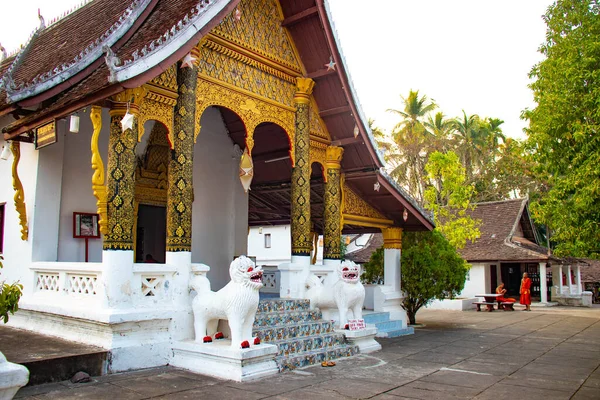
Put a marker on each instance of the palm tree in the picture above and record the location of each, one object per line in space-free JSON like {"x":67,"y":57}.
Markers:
{"x":440,"y":129}
{"x":468,"y":137}
{"x":410,"y":138}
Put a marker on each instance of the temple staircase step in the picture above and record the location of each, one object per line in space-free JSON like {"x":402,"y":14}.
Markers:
{"x":301,"y":335}
{"x":387,"y":328}
{"x":51,"y":359}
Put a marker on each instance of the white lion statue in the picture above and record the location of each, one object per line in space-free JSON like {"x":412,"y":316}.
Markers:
{"x":237,"y":302}
{"x":347,"y":294}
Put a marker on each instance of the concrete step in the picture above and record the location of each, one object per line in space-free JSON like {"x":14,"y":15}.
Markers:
{"x":287,"y":363}
{"x":279,"y":318}
{"x":290,"y":331}
{"x":293,"y":346}
{"x":388,"y":325}
{"x":273,"y":305}
{"x":395,"y":333}
{"x":51,"y":359}
{"x":375,"y":317}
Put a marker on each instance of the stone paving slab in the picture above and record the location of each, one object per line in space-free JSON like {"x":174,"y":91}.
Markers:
{"x":545,"y":354}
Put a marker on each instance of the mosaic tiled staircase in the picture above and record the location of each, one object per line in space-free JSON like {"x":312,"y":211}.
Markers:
{"x":387,"y":328}
{"x":302,"y":336}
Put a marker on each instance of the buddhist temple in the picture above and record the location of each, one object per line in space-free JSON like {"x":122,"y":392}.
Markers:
{"x":142,"y":139}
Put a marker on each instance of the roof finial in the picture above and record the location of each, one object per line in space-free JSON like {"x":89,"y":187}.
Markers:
{"x":3,"y":54}
{"x":42,"y":22}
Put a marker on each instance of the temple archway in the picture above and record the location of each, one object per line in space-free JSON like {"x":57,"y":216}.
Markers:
{"x":151,"y":181}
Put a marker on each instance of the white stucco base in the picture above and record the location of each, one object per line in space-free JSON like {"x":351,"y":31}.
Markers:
{"x":293,"y":277}
{"x":386,"y":299}
{"x":578,"y":300}
{"x":452,"y":304}
{"x":12,"y":378}
{"x":136,"y":338}
{"x":220,"y":360}
{"x":364,"y":339}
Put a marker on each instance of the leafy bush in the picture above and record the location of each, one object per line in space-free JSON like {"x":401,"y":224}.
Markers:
{"x":9,"y":297}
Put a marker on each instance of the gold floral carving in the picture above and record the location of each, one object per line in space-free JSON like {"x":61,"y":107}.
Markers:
{"x":180,"y":187}
{"x":300,"y":193}
{"x":19,"y":193}
{"x":239,"y":54}
{"x":318,"y":155}
{"x":167,"y":80}
{"x":234,"y":72}
{"x":251,"y":110}
{"x":129,"y":99}
{"x":120,"y":184}
{"x":333,"y":202}
{"x":354,"y":205}
{"x":157,"y":111}
{"x":271,"y":41}
{"x":318,"y":130}
{"x":151,"y":179}
{"x":392,"y":238}
{"x":98,"y":183}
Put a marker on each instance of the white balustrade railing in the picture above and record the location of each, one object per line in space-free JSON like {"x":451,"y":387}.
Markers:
{"x":270,"y":279}
{"x":56,"y":278}
{"x":153,"y":281}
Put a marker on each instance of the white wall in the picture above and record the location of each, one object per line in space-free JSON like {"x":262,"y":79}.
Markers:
{"x":220,"y":209}
{"x":77,"y":194}
{"x":281,"y":244}
{"x":477,"y":282}
{"x":17,"y":253}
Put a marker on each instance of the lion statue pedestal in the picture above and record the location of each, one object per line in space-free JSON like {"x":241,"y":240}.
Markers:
{"x":344,"y":297}
{"x":237,"y":357}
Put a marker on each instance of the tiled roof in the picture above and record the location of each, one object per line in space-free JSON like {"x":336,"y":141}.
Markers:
{"x":363,"y":255}
{"x":499,"y":223}
{"x":61,"y":42}
{"x":590,"y":272}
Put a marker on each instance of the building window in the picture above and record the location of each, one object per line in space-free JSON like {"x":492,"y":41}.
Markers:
{"x":267,"y":240}
{"x":2,"y":228}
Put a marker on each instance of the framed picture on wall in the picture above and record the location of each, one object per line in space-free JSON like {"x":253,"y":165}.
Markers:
{"x":85,"y":225}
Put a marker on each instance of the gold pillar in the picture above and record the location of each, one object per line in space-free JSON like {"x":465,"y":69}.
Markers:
{"x":98,"y":178}
{"x":332,"y":227}
{"x":392,"y":238}
{"x":180,"y":190}
{"x":300,"y":198}
{"x":120,"y":182}
{"x":19,"y":192}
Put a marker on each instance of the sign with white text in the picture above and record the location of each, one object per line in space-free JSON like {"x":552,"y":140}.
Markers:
{"x":356,"y":324}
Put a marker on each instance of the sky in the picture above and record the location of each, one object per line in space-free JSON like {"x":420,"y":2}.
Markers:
{"x":471,"y":55}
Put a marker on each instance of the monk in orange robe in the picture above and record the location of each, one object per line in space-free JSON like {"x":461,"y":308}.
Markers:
{"x":525,"y":292}
{"x":500,"y":290}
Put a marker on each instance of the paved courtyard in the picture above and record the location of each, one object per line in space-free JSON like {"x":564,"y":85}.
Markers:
{"x":545,"y":354}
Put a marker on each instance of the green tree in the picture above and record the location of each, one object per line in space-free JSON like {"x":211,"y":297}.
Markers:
{"x":431,"y":269}
{"x":409,"y":154}
{"x":564,"y":128}
{"x":449,"y":197}
{"x":468,"y":141}
{"x":9,"y":297}
{"x":441,"y":129}
{"x":373,"y":269}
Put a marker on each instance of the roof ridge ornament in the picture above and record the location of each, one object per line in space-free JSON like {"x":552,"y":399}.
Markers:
{"x":42,"y":22}
{"x":86,"y":56}
{"x":111,"y":60}
{"x":3,"y":55}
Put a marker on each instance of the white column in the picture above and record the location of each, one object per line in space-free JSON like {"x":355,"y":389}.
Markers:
{"x":578,"y":279}
{"x":391,"y":268}
{"x":569,"y":284}
{"x":543,"y":285}
{"x":560,"y":280}
{"x":292,"y":277}
{"x":182,"y":318}
{"x":117,"y":278}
